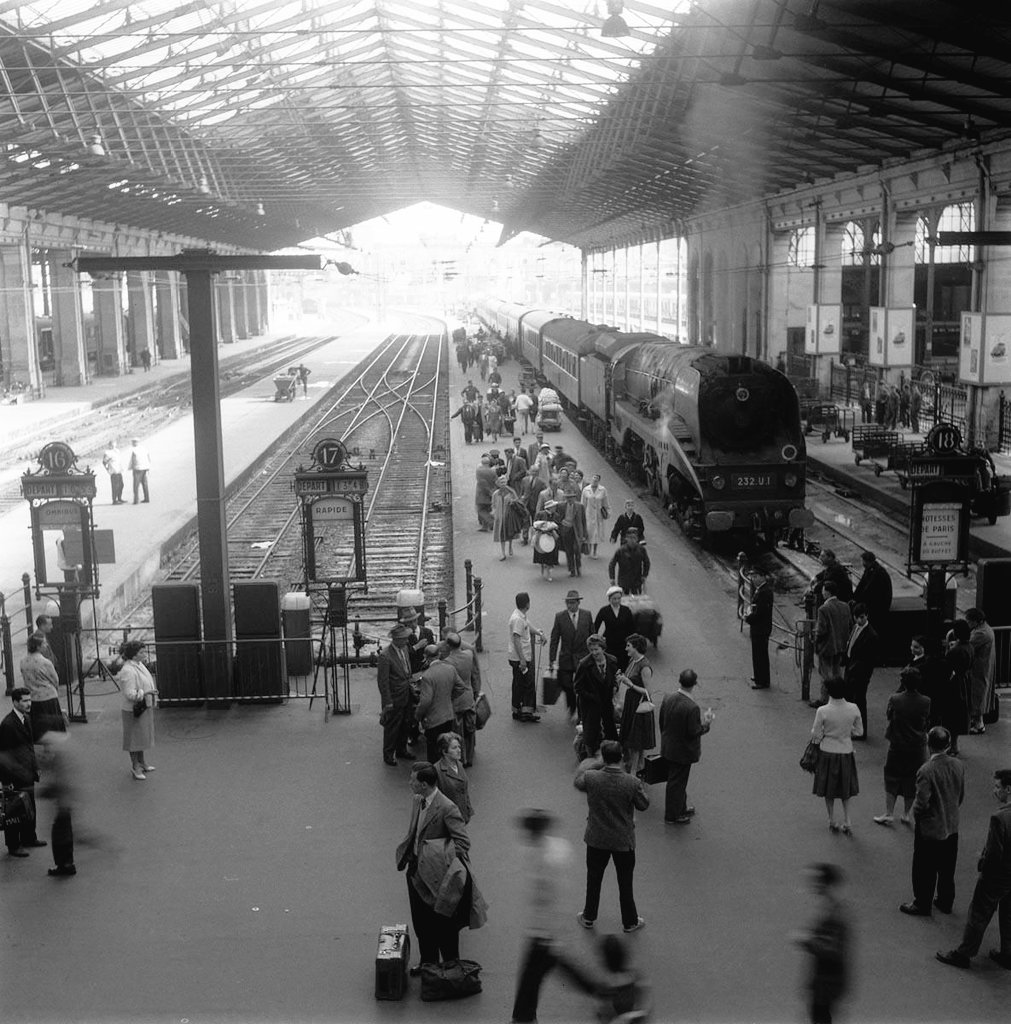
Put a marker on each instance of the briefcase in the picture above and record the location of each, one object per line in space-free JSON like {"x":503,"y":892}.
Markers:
{"x":654,"y":771}
{"x":549,"y":684}
{"x":482,"y":710}
{"x":392,"y":959}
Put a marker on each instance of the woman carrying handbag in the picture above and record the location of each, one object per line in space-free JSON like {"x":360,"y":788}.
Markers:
{"x":638,"y":724}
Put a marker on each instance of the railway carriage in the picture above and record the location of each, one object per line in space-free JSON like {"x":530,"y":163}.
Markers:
{"x":564,"y":345}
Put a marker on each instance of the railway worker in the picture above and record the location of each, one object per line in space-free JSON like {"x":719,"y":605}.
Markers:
{"x":140,"y":465}
{"x":521,"y":661}
{"x":303,"y":376}
{"x":862,"y":657}
{"x":485,"y":486}
{"x":874,"y":589}
{"x":441,"y":688}
{"x":468,"y":415}
{"x":393,"y":675}
{"x":628,"y":518}
{"x":112,"y":460}
{"x":573,"y":531}
{"x":981,"y":671}
{"x":833,"y":570}
{"x":759,"y":619}
{"x":629,"y":565}
{"x":832,"y":633}
{"x":524,"y":403}
{"x":993,"y":887}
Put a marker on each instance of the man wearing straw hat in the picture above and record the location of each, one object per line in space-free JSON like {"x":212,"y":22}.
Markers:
{"x":569,"y":633}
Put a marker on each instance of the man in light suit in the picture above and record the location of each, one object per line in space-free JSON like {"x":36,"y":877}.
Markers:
{"x":463,"y":658}
{"x":433,"y":817}
{"x":393,"y":674}
{"x":861,"y":660}
{"x":19,"y":768}
{"x":612,"y":798}
{"x":831,"y":636}
{"x":569,"y":633}
{"x":441,"y":687}
{"x":682,"y":726}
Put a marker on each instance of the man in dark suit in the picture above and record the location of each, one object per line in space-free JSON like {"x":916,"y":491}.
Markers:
{"x":19,"y":770}
{"x":569,"y":633}
{"x":612,"y":798}
{"x":515,"y":468}
{"x":993,"y":887}
{"x":759,"y":618}
{"x":874,"y":589}
{"x":433,"y":817}
{"x":393,"y":674}
{"x":440,"y":690}
{"x":682,"y":726}
{"x":861,"y":660}
{"x":833,"y":571}
{"x":832,"y":630}
{"x":596,"y":683}
{"x":940,"y":789}
{"x":628,"y":520}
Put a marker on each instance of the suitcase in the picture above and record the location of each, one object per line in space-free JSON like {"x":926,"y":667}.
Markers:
{"x":392,"y":959}
{"x":550,"y":687}
{"x":654,"y":771}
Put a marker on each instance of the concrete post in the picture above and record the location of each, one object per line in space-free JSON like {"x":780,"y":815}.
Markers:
{"x":184,"y":315}
{"x":140,"y":314}
{"x":17,"y":318}
{"x":68,"y":320}
{"x":107,"y":297}
{"x":241,"y":289}
{"x":166,"y":287}
{"x":225,"y":310}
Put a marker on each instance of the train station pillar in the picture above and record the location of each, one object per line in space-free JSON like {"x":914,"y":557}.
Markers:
{"x":107,"y":297}
{"x":225,"y":304}
{"x":20,"y":357}
{"x":900,"y":275}
{"x":831,"y":259}
{"x":166,"y":288}
{"x":240,"y":290}
{"x":68,"y":320}
{"x":140,"y":314}
{"x":262,"y":305}
{"x":184,"y":316}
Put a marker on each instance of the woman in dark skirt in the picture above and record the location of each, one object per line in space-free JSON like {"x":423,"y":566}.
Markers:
{"x":638,"y":729}
{"x":908,"y":716}
{"x":39,"y":675}
{"x":618,"y":625}
{"x":835,"y":775}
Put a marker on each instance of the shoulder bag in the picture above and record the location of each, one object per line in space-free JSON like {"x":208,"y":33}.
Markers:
{"x":809,"y":759}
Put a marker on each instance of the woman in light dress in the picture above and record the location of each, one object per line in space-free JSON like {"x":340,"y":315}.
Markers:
{"x":594,"y":500}
{"x":140,"y":698}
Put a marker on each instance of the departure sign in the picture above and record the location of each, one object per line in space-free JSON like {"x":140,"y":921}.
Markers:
{"x":330,"y":454}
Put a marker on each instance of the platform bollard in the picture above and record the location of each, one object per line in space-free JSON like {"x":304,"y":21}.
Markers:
{"x":478,"y":629}
{"x":26,"y":583}
{"x":8,"y":650}
{"x":468,"y":568}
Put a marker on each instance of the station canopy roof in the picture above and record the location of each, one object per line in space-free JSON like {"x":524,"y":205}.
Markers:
{"x":260,"y":123}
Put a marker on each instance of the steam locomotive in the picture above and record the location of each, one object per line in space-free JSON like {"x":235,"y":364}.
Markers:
{"x":717,"y":436}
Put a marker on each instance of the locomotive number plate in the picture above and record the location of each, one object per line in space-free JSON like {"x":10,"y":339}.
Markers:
{"x":753,"y":481}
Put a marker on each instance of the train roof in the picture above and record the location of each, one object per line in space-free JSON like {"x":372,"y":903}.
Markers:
{"x":610,"y":342}
{"x":664,"y":360}
{"x":575,"y":335}
{"x":537,"y":319}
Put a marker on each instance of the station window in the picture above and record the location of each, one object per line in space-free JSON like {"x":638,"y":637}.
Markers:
{"x":957,"y":217}
{"x":801,"y":251}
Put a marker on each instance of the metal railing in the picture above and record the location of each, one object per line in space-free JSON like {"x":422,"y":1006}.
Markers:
{"x":472,"y":609}
{"x":1004,"y":425}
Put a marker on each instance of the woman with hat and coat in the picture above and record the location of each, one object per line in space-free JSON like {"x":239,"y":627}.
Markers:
{"x":618,"y":625}
{"x":505,"y":527}
{"x":545,"y":542}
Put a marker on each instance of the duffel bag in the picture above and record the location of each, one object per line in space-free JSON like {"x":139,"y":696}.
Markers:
{"x":453,"y":979}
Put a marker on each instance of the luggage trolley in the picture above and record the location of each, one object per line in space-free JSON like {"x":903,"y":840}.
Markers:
{"x":828,"y":419}
{"x":872,"y":442}
{"x":285,"y":385}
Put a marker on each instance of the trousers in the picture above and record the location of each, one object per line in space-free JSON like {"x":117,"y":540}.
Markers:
{"x":676,"y":793}
{"x":934,"y":867}
{"x":438,"y":936}
{"x":524,"y":689}
{"x":540,"y":957}
{"x":760,"y":660}
{"x":988,"y":897}
{"x":624,"y":868}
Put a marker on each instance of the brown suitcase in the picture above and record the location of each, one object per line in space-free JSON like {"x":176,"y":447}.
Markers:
{"x":393,"y":957}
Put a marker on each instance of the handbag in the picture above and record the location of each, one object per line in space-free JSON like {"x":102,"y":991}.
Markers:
{"x":809,"y":759}
{"x":604,"y":513}
{"x":139,"y":707}
{"x":13,"y":809}
{"x":482,"y":710}
{"x":646,"y":707}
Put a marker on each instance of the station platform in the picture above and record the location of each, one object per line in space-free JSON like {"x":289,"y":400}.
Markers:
{"x":834,"y":460}
{"x":247,"y":879}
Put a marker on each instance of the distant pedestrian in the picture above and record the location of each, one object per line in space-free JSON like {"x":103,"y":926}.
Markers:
{"x":993,"y":887}
{"x":137,"y":710}
{"x":940,"y":790}
{"x":524,"y":403}
{"x":612,"y":798}
{"x":759,"y":619}
{"x":140,"y":465}
{"x":827,"y":940}
{"x":145,"y":359}
{"x":981,"y":671}
{"x":908,"y":715}
{"x":19,"y":771}
{"x":682,"y":726}
{"x":915,"y":403}
{"x":835,"y":775}
{"x":112,"y":460}
{"x":521,"y":661}
{"x":862,"y":656}
{"x":303,"y":376}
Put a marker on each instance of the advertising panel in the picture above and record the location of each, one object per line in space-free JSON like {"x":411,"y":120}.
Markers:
{"x":995,"y":349}
{"x":892,"y":334}
{"x":968,"y":348}
{"x":877,"y":323}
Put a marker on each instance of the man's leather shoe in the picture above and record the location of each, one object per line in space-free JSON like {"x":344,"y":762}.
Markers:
{"x":954,"y":958}
{"x":63,"y":869}
{"x":759,"y":686}
{"x":36,"y":842}
{"x":415,"y":970}
{"x":391,"y":761}
{"x":683,"y":819}
{"x":17,"y":853}
{"x":913,"y":910}
{"x":1002,"y":959}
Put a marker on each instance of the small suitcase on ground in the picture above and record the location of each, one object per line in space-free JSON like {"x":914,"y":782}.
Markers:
{"x":654,"y":771}
{"x":549,"y":684}
{"x":392,"y":959}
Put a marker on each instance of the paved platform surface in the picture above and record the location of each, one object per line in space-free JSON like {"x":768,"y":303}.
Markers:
{"x":247,"y":879}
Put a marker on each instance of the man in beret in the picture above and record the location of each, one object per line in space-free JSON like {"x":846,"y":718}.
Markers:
{"x":993,"y":887}
{"x":393,"y":674}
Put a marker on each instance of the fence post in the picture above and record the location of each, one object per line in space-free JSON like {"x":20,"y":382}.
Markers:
{"x":937,"y":402}
{"x":478,"y":630}
{"x":8,"y":650}
{"x":468,"y":569}
{"x":26,"y":585}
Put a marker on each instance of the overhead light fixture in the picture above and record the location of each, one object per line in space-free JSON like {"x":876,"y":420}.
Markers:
{"x":536,"y":139}
{"x":95,"y":147}
{"x":615,"y":25}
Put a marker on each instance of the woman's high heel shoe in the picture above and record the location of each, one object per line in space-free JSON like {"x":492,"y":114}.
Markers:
{"x":833,"y":827}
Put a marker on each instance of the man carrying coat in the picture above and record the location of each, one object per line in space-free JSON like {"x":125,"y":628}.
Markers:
{"x":569,"y":633}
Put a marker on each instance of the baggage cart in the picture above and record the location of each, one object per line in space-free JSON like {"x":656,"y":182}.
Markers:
{"x":872,"y":442}
{"x":285,"y":387}
{"x":898,"y":460}
{"x":827,"y":419}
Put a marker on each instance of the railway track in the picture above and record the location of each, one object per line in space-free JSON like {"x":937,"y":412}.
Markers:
{"x":392,"y":415}
{"x":146,"y":410}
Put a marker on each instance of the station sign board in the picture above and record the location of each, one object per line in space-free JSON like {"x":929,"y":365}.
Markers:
{"x":56,"y":514}
{"x":43,"y":487}
{"x":332,"y":510}
{"x":352,"y":482}
{"x":939,"y":535}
